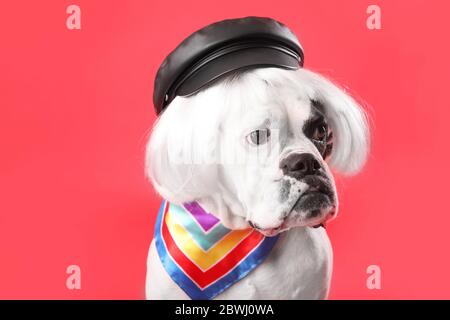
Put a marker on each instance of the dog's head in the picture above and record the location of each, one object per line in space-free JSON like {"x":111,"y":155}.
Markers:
{"x":255,"y":148}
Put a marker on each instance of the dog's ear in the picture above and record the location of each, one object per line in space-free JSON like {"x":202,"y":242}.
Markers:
{"x":348,"y":123}
{"x":181,"y":151}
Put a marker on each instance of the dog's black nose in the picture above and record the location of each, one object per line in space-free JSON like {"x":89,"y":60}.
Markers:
{"x":300,"y":165}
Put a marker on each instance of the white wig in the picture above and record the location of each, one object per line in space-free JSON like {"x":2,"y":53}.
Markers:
{"x":199,"y":118}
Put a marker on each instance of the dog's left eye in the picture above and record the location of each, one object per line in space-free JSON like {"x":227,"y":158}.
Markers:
{"x":258,"y":137}
{"x":320,"y":132}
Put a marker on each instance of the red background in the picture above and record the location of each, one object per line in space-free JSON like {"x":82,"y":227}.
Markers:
{"x":76,"y":107}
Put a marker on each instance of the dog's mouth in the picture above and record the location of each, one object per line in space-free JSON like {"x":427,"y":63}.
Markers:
{"x":320,"y":225}
{"x":313,"y":208}
{"x":312,"y":201}
{"x":270,"y":232}
{"x":317,"y":203}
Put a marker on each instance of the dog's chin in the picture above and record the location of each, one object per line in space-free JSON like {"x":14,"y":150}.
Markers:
{"x":312,"y":209}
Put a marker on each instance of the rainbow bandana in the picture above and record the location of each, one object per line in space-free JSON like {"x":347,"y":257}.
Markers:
{"x":200,"y":254}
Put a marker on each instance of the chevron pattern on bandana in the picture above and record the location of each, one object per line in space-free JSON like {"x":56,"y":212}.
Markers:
{"x":201,"y":255}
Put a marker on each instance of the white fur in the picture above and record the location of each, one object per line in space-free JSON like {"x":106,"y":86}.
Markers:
{"x":198,"y":152}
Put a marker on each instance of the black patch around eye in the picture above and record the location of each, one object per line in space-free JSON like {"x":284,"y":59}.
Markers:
{"x":317,"y":120}
{"x":328,"y":150}
{"x":321,"y":147}
{"x":329,"y":145}
{"x":318,"y":106}
{"x":312,"y":123}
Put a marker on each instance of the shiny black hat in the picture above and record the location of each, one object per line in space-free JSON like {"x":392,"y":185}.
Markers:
{"x":223,"y":47}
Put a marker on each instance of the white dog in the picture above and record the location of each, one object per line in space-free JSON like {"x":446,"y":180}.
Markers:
{"x":288,"y":128}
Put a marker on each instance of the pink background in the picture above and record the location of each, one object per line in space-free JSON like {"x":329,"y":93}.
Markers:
{"x":76,"y":107}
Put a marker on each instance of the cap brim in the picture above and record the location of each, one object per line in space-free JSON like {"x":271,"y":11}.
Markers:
{"x":263,"y":57}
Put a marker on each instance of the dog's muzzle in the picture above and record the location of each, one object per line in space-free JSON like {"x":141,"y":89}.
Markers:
{"x":319,"y":194}
{"x":316,"y":203}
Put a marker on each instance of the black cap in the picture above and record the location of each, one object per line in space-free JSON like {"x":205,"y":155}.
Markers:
{"x":221,"y":48}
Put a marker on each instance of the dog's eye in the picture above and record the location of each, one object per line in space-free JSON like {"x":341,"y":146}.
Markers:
{"x":258,"y":137}
{"x":320,"y":132}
